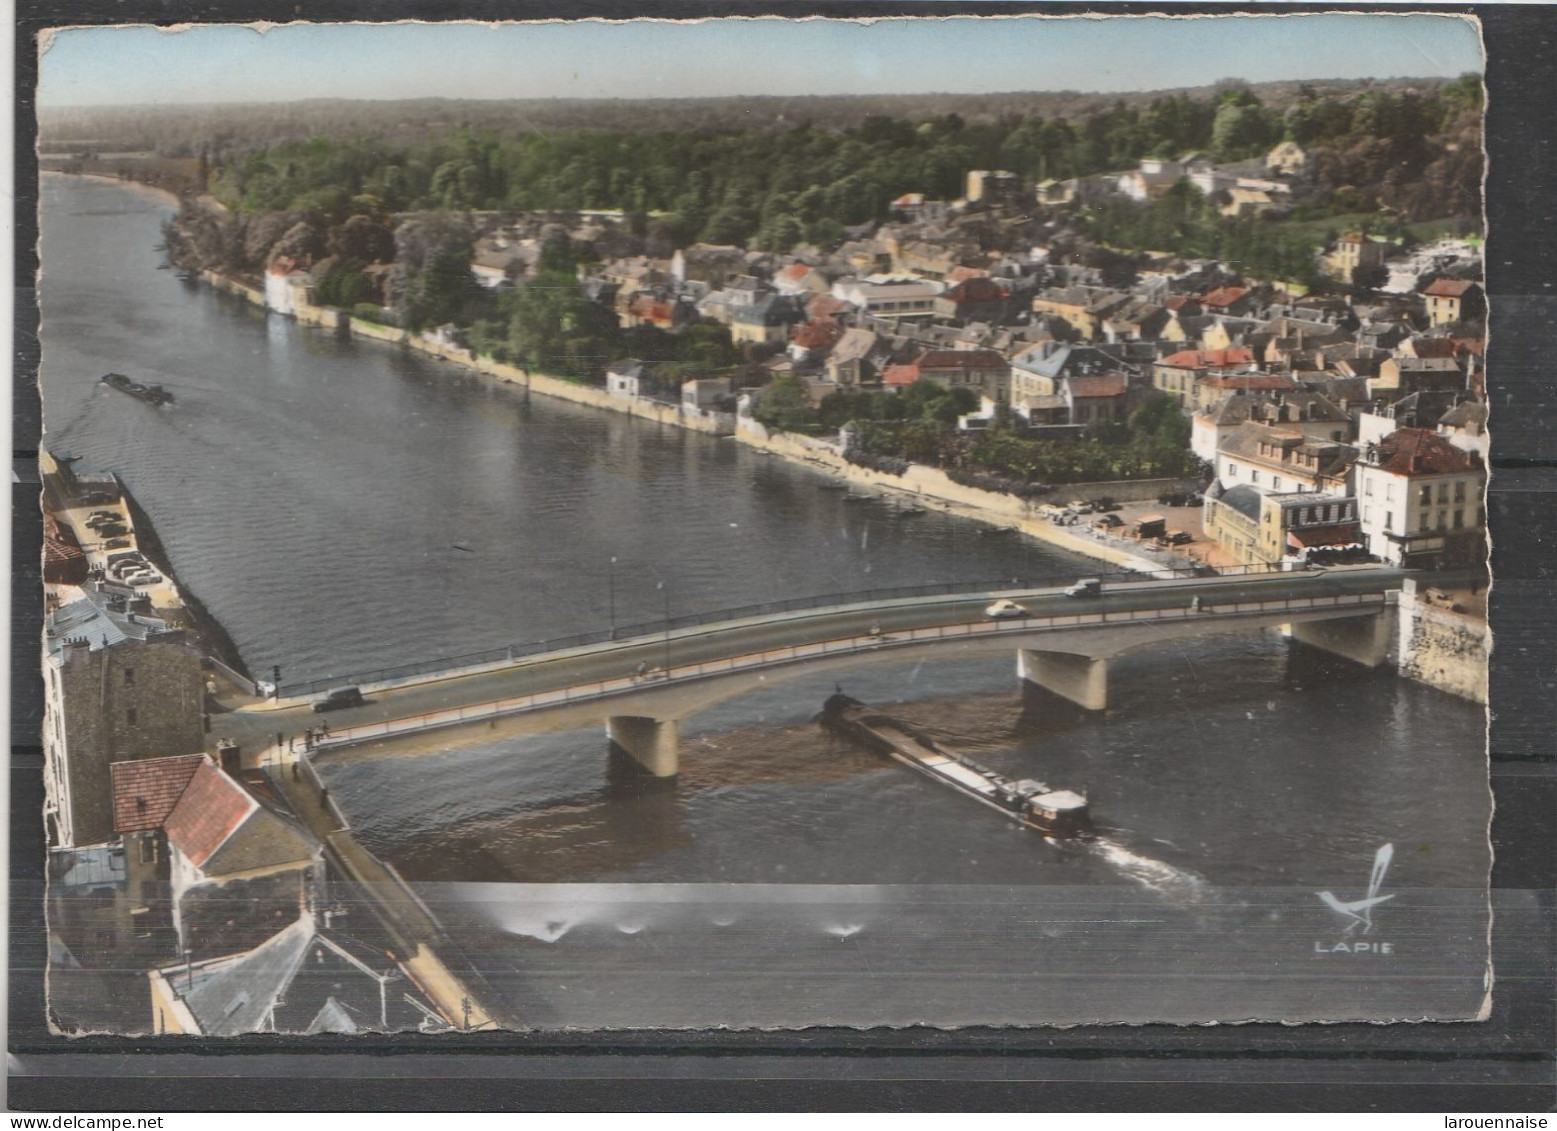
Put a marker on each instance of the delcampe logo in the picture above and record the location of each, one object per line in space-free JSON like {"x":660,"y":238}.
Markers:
{"x":1359,"y":912}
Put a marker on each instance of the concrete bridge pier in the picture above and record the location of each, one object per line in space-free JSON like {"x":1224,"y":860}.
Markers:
{"x":1365,"y":639}
{"x":653,"y":744}
{"x":1083,"y":680}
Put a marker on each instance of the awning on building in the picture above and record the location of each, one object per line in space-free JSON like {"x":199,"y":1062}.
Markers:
{"x":1339,"y":536}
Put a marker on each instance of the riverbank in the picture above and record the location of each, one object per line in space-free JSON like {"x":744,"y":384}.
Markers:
{"x":208,"y":630}
{"x":920,"y":486}
{"x":140,"y":188}
{"x":921,"y":483}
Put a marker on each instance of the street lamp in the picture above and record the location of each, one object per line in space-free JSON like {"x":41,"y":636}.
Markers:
{"x":666,"y":594}
{"x":611,"y":588}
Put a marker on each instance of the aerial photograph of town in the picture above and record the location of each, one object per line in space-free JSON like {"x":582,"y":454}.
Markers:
{"x":761,"y":524}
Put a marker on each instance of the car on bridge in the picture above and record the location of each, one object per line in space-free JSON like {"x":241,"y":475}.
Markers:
{"x":1086,"y":587}
{"x":1003,"y":609}
{"x":338,"y":698}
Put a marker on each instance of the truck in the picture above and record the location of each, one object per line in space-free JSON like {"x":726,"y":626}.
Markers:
{"x":1086,"y":587}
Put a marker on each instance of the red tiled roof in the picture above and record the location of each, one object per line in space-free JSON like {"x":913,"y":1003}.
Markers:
{"x":211,"y":809}
{"x":1476,"y":346}
{"x":962,"y":274}
{"x":900,"y":375}
{"x":818,"y":334}
{"x":1102,"y":385}
{"x":1418,"y":451}
{"x":1225,"y":296}
{"x":656,"y":310}
{"x":1176,"y":303}
{"x":145,"y":792}
{"x":1449,"y":288}
{"x":1207,"y":359}
{"x":824,"y":306}
{"x":795,"y":272}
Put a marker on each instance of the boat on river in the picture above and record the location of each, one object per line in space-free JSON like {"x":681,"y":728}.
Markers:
{"x":151,"y":394}
{"x":1060,"y":814}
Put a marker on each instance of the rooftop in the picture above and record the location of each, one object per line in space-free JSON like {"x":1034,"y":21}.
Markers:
{"x":1449,"y":288}
{"x":1417,"y":451}
{"x":146,"y":792}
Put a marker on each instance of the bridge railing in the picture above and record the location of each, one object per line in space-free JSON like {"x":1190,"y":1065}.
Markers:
{"x":772,"y":657}
{"x":452,"y":665}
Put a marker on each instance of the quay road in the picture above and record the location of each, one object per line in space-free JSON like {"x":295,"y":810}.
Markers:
{"x":633,"y":663}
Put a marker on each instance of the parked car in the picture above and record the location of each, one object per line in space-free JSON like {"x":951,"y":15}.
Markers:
{"x":1086,"y":587}
{"x":1080,"y":506}
{"x":1003,"y":609}
{"x":1109,"y":521}
{"x":338,"y":698}
{"x":1177,"y":538}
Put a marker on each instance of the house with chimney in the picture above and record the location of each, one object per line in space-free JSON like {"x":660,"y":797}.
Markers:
{"x":1275,"y":460}
{"x":192,"y":830}
{"x":1422,"y":500}
{"x":1310,"y":413}
{"x":120,"y":684}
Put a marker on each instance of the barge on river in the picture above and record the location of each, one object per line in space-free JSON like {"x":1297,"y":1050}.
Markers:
{"x":151,"y":394}
{"x":1056,"y":813}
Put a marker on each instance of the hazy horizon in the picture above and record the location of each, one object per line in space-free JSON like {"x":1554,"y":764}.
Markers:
{"x":653,"y":60}
{"x":1013,"y":93}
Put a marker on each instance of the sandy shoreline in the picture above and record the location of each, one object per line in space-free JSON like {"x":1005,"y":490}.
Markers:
{"x":162,"y":196}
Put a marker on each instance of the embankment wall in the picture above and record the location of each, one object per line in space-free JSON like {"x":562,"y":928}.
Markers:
{"x":1442,"y":648}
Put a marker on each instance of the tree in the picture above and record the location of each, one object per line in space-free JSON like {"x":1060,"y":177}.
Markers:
{"x":785,"y":406}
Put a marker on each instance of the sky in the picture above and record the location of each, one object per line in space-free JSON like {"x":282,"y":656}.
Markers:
{"x":593,"y":59}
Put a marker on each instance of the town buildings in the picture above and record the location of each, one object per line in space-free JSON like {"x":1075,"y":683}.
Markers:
{"x":1422,"y":500}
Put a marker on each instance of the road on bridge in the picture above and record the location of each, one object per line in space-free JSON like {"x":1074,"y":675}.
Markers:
{"x":256,"y":726}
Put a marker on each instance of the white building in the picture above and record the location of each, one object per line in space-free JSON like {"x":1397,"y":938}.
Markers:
{"x":1421,"y":500}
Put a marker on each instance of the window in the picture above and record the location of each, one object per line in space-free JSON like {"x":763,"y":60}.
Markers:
{"x":1276,"y":482}
{"x":1426,"y":494}
{"x":1443,"y":520}
{"x":1367,"y":514}
{"x":1424,"y":520}
{"x":1254,"y":477}
{"x":1459,"y":490}
{"x":148,"y":850}
{"x":1459,"y":519}
{"x":1389,"y":489}
{"x":129,"y":676}
{"x":1232,"y":471}
{"x":1443,"y":492}
{"x":1389,"y":520}
{"x":1367,"y":487}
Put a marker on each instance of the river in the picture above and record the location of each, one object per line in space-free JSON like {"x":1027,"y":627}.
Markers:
{"x":341,"y":507}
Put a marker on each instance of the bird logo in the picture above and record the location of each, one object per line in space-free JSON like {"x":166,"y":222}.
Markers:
{"x":1360,"y":912}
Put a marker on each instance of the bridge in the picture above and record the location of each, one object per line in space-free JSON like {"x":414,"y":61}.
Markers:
{"x":643,"y":685}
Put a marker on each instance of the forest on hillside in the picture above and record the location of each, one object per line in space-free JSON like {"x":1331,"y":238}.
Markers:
{"x":776,"y":188}
{"x":221,"y":130}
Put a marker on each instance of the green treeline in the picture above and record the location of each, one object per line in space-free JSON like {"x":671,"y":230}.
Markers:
{"x":773,"y":188}
{"x":918,"y":424}
{"x":1185,"y":222}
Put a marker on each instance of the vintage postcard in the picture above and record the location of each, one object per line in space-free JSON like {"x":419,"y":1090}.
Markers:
{"x":762,"y":524}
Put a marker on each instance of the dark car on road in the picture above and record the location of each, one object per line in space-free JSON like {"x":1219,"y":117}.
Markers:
{"x":338,"y":698}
